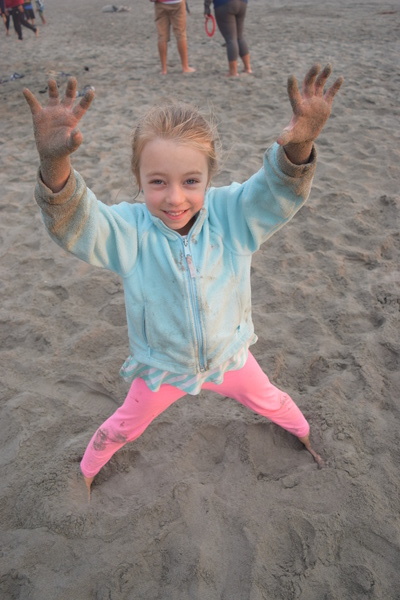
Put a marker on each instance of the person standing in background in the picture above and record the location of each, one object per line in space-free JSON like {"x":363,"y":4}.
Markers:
{"x":40,"y":9}
{"x":171,"y":13}
{"x":29,"y":12}
{"x":230,"y":16}
{"x":16,"y":9}
{"x":5,"y":16}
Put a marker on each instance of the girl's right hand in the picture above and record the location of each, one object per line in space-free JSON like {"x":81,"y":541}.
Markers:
{"x":56,"y":124}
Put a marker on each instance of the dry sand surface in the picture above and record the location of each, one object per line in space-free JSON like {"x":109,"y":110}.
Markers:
{"x":212,"y":502}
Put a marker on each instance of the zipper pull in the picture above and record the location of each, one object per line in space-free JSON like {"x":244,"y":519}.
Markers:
{"x":189,"y":261}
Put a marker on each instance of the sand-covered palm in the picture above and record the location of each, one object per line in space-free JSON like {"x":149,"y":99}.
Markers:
{"x":311,"y":106}
{"x":56,"y":125}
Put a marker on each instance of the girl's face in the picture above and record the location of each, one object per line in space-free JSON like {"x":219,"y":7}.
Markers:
{"x":174,"y":179}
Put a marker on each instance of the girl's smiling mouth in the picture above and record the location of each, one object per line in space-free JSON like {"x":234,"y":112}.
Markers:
{"x":175,"y":215}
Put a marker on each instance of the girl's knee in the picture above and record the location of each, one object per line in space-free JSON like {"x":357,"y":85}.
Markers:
{"x":105,"y":436}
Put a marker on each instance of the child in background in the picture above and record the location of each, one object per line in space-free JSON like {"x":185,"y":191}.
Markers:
{"x":29,"y":12}
{"x":230,"y":16}
{"x":5,"y":15}
{"x":40,"y":9}
{"x":16,"y":9}
{"x":184,"y":254}
{"x":171,"y":14}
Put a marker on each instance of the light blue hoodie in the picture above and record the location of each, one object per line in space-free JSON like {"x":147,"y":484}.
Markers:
{"x":188,"y":300}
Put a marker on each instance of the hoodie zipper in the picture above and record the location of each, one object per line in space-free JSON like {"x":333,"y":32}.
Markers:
{"x":194,"y":303}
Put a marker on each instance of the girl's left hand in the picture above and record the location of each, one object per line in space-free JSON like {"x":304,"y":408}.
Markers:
{"x":311,"y":107}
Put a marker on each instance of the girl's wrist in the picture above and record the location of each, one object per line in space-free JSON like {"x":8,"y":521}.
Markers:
{"x":299,"y":154}
{"x":55,"y":172}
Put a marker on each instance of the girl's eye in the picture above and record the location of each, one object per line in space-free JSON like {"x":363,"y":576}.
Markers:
{"x":191,"y":181}
{"x":157,"y":181}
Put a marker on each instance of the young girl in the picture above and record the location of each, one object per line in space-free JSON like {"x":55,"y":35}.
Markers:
{"x":184,"y":254}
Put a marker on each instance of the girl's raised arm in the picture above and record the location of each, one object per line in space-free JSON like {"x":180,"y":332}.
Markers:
{"x":56,"y":130}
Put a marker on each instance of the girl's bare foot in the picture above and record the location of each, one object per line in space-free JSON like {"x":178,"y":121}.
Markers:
{"x":88,"y":483}
{"x":306,"y":441}
{"x":188,"y":70}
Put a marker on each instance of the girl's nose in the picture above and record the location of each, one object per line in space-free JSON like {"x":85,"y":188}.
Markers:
{"x":175,"y":195}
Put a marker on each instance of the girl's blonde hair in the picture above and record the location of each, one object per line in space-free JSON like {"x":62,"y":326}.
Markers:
{"x":179,"y":122}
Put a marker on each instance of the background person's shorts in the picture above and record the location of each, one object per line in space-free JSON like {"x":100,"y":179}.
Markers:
{"x":167,"y":15}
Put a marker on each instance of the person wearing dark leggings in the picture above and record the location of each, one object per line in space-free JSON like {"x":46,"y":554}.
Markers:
{"x":5,"y":16}
{"x":230,"y":16}
{"x":16,"y":9}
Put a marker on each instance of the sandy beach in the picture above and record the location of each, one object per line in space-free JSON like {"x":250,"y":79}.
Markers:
{"x":212,"y":502}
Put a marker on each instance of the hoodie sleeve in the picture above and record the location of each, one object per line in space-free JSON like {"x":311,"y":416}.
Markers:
{"x":251,"y":212}
{"x":104,"y":236}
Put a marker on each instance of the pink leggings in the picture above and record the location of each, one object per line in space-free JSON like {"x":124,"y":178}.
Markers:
{"x":249,"y":386}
